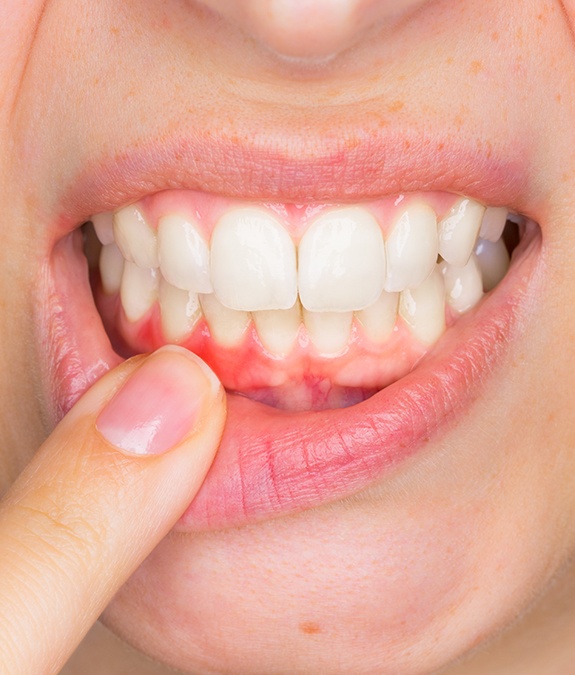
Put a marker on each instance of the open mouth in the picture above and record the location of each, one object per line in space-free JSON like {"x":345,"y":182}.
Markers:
{"x":345,"y":334}
{"x":301,"y":307}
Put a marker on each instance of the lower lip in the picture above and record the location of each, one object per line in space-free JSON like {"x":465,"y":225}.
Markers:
{"x":272,"y":462}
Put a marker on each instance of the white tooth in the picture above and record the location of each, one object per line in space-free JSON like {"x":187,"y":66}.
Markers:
{"x":328,"y":331}
{"x":135,"y":238}
{"x":253,"y":261}
{"x":493,"y":222}
{"x":139,"y":290}
{"x":378,"y":320}
{"x":463,"y":285}
{"x":111,"y":268}
{"x":184,"y":254}
{"x":411,"y":248}
{"x":341,"y":261}
{"x":227,"y":326}
{"x":180,"y":311}
{"x":278,"y":328}
{"x":458,"y":231}
{"x":423,"y":308}
{"x":104,"y":227}
{"x":493,"y":260}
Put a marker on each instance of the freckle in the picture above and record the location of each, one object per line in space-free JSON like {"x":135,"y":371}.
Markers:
{"x":114,"y":30}
{"x":476,"y":67}
{"x":558,"y":98}
{"x":450,"y":60}
{"x":495,"y":36}
{"x":310,"y":628}
{"x":396,"y":106}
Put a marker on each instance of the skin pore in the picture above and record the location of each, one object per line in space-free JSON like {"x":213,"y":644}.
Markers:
{"x":468,"y":544}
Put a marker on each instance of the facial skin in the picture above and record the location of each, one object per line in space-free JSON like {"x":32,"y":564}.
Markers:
{"x":446,"y":552}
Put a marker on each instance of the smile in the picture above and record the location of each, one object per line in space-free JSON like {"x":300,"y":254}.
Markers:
{"x":346,"y":333}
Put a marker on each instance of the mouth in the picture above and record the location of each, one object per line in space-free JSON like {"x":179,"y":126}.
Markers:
{"x":346,"y":333}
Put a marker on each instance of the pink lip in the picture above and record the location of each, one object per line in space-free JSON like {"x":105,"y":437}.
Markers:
{"x":271,"y":462}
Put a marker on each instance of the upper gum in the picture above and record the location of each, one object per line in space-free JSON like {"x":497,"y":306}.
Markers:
{"x":206,"y":209}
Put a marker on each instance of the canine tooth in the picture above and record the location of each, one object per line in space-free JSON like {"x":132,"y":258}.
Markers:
{"x":253,"y":261}
{"x":135,"y":238}
{"x":463,"y":285}
{"x":183,"y":254}
{"x":378,"y":320}
{"x":341,"y":260}
{"x":139,"y":290}
{"x":111,"y":268}
{"x":411,"y":248}
{"x":458,"y":231}
{"x":104,"y":227}
{"x":493,"y":260}
{"x":493,"y":223}
{"x":278,"y":328}
{"x":227,"y":326}
{"x":423,"y":308}
{"x":179,"y":310}
{"x":328,"y":331}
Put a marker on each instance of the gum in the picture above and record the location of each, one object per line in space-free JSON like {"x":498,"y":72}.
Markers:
{"x":206,"y":209}
{"x":301,"y":380}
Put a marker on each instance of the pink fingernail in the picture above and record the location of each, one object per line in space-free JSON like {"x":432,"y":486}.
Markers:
{"x":160,"y":403}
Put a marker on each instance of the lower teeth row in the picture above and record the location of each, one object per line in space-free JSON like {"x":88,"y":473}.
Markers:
{"x":421,"y":309}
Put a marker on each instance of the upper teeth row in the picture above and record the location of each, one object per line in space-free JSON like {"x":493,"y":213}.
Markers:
{"x":342,"y":262}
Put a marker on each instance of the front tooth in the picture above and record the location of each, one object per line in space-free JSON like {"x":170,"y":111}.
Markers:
{"x":341,"y":260}
{"x":184,"y":255}
{"x":493,"y":260}
{"x":179,"y":310}
{"x":139,"y":290}
{"x":278,"y":328}
{"x":493,"y":223}
{"x":328,"y":331}
{"x":135,"y":238}
{"x":111,"y":268}
{"x":104,"y":227}
{"x":463,"y":285}
{"x":411,"y":248}
{"x":253,"y":261}
{"x":378,"y":320}
{"x":423,"y":308}
{"x":227,"y":326}
{"x":458,"y":231}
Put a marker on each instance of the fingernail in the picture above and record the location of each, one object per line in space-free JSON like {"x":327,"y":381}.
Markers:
{"x":160,"y":404}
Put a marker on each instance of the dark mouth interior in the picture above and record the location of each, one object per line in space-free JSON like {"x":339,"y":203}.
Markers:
{"x":339,"y":396}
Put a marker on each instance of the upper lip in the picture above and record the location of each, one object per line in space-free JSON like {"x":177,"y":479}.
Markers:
{"x":345,"y":167}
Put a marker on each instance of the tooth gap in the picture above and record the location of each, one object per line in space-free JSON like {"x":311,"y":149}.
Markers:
{"x":92,"y":246}
{"x":513,"y":231}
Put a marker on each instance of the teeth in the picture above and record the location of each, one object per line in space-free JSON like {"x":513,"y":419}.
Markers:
{"x":458,"y":231}
{"x":184,"y":255}
{"x":111,"y":268}
{"x":411,"y":248}
{"x":253,"y":262}
{"x":328,"y":331}
{"x":341,"y":262}
{"x":227,"y":326}
{"x":463,"y":285}
{"x":278,"y":328}
{"x":139,"y":290}
{"x":423,"y":308}
{"x":135,"y":238}
{"x":104,"y":227}
{"x":180,"y":311}
{"x":378,"y":320}
{"x":493,"y":260}
{"x":493,"y":223}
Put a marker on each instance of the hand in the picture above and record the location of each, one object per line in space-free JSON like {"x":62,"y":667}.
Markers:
{"x":102,"y":491}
